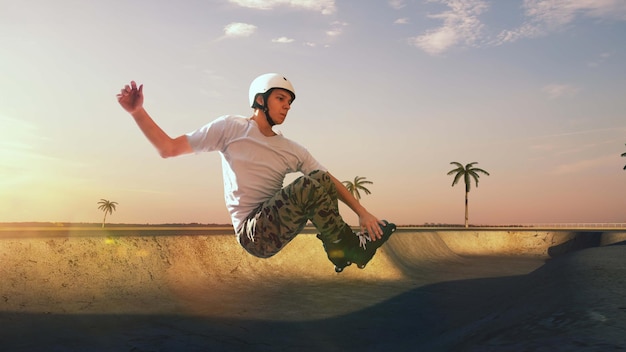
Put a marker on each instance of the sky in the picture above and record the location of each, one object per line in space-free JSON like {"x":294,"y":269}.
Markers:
{"x":534,"y":91}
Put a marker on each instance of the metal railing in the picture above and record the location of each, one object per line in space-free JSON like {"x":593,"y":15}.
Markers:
{"x":539,"y":226}
{"x":576,"y":225}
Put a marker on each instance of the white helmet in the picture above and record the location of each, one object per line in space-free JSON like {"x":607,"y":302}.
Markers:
{"x":268,"y":81}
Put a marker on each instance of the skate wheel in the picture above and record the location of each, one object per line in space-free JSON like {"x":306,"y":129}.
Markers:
{"x":338,"y":269}
{"x":361,"y":266}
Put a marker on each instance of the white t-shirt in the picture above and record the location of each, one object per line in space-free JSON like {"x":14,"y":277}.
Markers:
{"x":253,"y":165}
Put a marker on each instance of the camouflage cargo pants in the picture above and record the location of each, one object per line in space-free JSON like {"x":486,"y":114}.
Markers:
{"x":279,"y":219}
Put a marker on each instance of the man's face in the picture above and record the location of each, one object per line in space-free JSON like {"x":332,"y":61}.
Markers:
{"x":279,"y":103}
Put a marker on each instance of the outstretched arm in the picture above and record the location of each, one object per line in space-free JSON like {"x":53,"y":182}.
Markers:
{"x":367,"y":221}
{"x":131,"y":100}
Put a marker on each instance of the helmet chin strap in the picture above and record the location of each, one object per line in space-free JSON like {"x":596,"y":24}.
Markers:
{"x":266,"y":110}
{"x":268,"y":117}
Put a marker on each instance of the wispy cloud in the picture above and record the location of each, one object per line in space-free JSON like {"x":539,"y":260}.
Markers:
{"x":599,"y":60}
{"x":545,"y":16}
{"x":283,"y":40}
{"x":460,"y":26}
{"x":336,"y":29}
{"x":577,"y":133}
{"x":397,"y":4}
{"x":238,"y":30}
{"x":556,"y":146}
{"x":325,"y":7}
{"x":335,"y":32}
{"x":582,"y":165}
{"x":403,"y":20}
{"x":555,"y":91}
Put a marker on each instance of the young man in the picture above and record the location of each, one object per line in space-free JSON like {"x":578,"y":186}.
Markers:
{"x":255,"y":160}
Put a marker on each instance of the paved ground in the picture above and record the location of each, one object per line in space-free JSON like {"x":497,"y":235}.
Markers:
{"x":427,"y":291}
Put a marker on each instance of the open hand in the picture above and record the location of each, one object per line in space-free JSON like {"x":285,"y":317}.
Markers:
{"x":131,"y":97}
{"x":371,"y":225}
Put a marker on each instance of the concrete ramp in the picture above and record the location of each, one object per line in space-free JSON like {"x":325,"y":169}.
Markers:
{"x":107,"y":272}
{"x":131,"y":290}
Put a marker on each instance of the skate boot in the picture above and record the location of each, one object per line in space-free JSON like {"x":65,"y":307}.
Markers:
{"x":362,"y":254}
{"x":336,"y":249}
{"x":355,"y":248}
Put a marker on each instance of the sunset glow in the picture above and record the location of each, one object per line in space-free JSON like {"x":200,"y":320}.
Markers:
{"x":390,"y":90}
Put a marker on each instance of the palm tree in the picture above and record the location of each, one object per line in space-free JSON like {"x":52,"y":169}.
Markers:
{"x":107,"y":207}
{"x":354,"y":187}
{"x":467,"y":172}
{"x":624,"y":154}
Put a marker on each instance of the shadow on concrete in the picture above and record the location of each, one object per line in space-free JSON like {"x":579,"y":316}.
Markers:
{"x":408,"y":321}
{"x":514,"y":313}
{"x":580,"y":240}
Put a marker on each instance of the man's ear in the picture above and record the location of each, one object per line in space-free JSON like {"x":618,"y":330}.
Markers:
{"x":259,"y":100}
